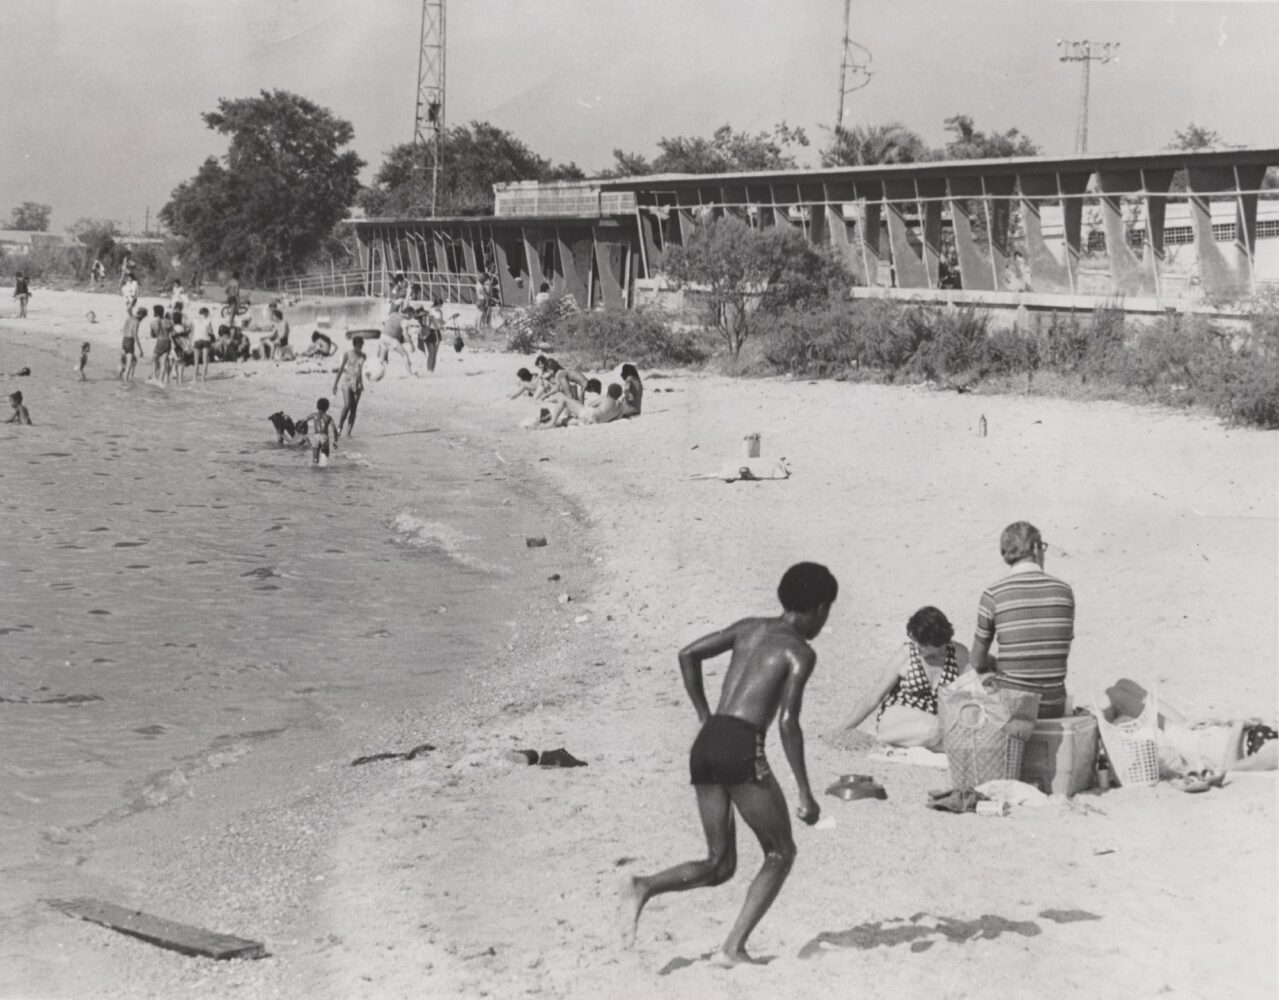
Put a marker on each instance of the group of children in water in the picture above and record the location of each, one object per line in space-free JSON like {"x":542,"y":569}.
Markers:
{"x":576,"y":398}
{"x":175,"y":338}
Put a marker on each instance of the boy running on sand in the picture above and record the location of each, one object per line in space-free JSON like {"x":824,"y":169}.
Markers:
{"x":322,"y":432}
{"x":350,"y":379}
{"x":83,"y":362}
{"x":770,"y":666}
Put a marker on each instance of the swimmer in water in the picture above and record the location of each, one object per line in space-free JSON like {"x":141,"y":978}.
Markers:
{"x":322,"y":432}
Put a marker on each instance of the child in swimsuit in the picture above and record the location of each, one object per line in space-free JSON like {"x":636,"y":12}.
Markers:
{"x":203,"y":344}
{"x":322,"y":432}
{"x":770,"y":666}
{"x":20,"y":414}
{"x":84,"y":361}
{"x":161,"y":327}
{"x":350,"y":380}
{"x":130,"y":347}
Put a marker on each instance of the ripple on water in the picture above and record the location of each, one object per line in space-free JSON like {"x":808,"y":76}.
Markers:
{"x":128,"y":545}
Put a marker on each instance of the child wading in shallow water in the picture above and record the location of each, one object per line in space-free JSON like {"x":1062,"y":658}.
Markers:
{"x":83,"y":362}
{"x":323,"y":433}
{"x":20,"y":414}
{"x":770,"y":666}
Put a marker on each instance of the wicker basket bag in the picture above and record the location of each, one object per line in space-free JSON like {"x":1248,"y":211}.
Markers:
{"x":976,"y":719}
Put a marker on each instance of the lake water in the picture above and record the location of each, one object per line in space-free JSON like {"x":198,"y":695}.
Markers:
{"x":177,"y":589}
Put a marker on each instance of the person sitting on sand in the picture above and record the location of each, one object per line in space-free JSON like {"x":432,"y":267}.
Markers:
{"x":527,"y":385}
{"x":1033,"y":616}
{"x":770,"y":666}
{"x":1201,"y":745}
{"x":906,"y":692}
{"x":557,"y":378}
{"x":20,"y":414}
{"x":633,"y":391}
{"x":130,"y":345}
{"x":350,"y":382}
{"x":277,"y":341}
{"x":608,"y":409}
{"x":322,"y":432}
{"x":321,"y":346}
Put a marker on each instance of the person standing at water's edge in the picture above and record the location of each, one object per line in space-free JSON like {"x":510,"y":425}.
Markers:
{"x":21,"y":292}
{"x":350,"y":380}
{"x":770,"y":666}
{"x":1033,"y":616}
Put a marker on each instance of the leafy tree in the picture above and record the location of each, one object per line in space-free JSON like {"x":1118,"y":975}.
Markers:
{"x":724,"y":152}
{"x":31,"y":217}
{"x":269,"y":205}
{"x":95,"y":239}
{"x":739,"y":270}
{"x":476,"y":156}
{"x":863,"y":145}
{"x":1195,"y":137}
{"x":967,"y":143}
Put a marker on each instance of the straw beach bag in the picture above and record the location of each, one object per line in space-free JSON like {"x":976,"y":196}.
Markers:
{"x":980,"y":722}
{"x":1131,"y":745}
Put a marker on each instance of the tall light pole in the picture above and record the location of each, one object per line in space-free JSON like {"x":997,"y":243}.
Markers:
{"x":428,"y":120}
{"x":1087,"y":53}
{"x":851,"y":60}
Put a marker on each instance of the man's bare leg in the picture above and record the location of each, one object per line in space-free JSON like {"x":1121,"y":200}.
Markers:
{"x":716,"y":809}
{"x":763,"y":807}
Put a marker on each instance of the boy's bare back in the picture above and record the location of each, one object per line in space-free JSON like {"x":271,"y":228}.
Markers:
{"x":766,"y":653}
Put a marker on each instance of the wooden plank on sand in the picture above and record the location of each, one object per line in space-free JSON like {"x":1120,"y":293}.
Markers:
{"x":164,"y":933}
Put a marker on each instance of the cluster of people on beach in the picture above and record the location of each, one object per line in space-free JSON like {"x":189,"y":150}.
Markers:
{"x":411,"y":331}
{"x":574,"y":398}
{"x":1028,"y":612}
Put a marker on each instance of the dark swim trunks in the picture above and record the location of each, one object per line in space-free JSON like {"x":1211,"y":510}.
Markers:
{"x":728,"y":751}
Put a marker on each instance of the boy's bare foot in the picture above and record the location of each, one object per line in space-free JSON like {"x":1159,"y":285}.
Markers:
{"x":629,"y":908}
{"x":729,"y":959}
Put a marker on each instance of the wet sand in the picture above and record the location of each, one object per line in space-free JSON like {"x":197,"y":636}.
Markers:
{"x":460,"y":874}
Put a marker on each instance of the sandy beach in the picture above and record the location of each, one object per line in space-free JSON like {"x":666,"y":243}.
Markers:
{"x":461,"y":874}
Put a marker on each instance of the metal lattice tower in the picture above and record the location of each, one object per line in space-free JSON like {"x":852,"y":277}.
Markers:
{"x":428,"y":121}
{"x":851,"y":61}
{"x":1087,"y":53}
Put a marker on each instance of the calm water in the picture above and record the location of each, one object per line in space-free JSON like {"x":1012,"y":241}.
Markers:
{"x":177,"y":588}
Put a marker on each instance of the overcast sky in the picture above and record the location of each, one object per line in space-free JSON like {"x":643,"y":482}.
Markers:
{"x":100,"y":113}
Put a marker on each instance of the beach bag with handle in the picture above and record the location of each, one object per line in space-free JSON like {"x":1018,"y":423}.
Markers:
{"x":1131,"y":745}
{"x":984,"y":728}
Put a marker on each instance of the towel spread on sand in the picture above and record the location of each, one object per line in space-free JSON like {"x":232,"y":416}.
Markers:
{"x":748,"y":470}
{"x":920,"y":756}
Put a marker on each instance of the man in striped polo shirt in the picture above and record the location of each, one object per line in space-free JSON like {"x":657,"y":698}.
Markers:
{"x":1033,"y":614}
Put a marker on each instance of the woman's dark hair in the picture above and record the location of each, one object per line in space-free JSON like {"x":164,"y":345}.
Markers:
{"x":930,"y":627}
{"x":524,"y":375}
{"x":593,"y":385}
{"x":630,"y":371}
{"x":806,"y":586}
{"x":614,"y":391}
{"x":545,"y":286}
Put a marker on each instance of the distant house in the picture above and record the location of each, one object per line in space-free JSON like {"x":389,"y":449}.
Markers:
{"x":20,"y":242}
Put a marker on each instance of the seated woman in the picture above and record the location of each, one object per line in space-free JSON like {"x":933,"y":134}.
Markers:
{"x":633,"y":391}
{"x":1197,"y":745}
{"x":906,"y":692}
{"x":557,"y":378}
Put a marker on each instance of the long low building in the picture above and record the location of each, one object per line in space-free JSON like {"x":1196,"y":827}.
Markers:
{"x":1167,"y":230}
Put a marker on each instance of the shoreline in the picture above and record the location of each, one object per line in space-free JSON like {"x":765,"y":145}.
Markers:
{"x":466,"y":875}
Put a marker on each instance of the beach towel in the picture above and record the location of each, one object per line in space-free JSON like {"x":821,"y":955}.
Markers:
{"x":919,"y":756}
{"x":748,"y":470}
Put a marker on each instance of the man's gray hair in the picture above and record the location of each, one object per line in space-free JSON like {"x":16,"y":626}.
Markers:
{"x":1019,"y":541}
